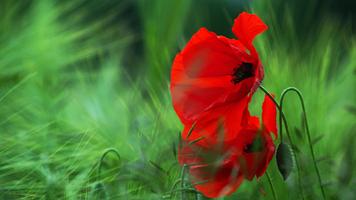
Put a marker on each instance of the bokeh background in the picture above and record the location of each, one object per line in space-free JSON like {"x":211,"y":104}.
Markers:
{"x":81,"y":78}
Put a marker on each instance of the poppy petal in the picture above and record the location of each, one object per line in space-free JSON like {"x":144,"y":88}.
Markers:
{"x":220,"y":125}
{"x":202,"y":74}
{"x":247,"y":26}
{"x":223,"y":186}
{"x":207,"y":54}
{"x":269,"y":152}
{"x":211,"y":174}
{"x":258,"y":147}
{"x":269,"y":113}
{"x":257,"y":154}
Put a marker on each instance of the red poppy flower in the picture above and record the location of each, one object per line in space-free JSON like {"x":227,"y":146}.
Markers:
{"x":213,"y":71}
{"x":258,"y":146}
{"x":218,"y":170}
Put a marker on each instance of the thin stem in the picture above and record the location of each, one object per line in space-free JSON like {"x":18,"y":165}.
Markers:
{"x":98,"y":187}
{"x":308,"y":133}
{"x":281,"y":114}
{"x":103,"y":157}
{"x":272,"y":187}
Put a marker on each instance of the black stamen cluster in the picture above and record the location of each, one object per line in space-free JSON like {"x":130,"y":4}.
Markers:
{"x":245,"y":70}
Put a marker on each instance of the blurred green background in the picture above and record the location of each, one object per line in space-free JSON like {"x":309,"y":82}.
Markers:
{"x":80,"y":77}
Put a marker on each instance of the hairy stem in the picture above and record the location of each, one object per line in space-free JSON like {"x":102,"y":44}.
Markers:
{"x":293,"y":89}
{"x":282,"y":116}
{"x":272,"y":187}
{"x":103,"y":157}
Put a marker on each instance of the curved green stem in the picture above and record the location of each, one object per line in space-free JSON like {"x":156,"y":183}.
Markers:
{"x":103,"y":157}
{"x":99,"y":185}
{"x":282,"y":116}
{"x":308,"y":132}
{"x":272,"y":187}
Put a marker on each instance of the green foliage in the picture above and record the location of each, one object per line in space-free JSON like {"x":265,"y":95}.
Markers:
{"x":78,"y":78}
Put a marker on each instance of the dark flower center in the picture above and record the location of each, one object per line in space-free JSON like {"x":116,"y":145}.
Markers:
{"x":244,"y":71}
{"x":255,"y":146}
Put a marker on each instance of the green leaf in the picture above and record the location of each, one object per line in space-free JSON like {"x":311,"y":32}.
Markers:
{"x":284,"y":160}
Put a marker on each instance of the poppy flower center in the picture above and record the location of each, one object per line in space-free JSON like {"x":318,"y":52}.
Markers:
{"x":255,"y":146}
{"x":242,"y":72}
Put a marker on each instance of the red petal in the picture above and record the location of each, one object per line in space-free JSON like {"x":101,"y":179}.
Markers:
{"x":269,"y":152}
{"x":202,"y":73}
{"x":207,"y":54}
{"x":269,"y":113}
{"x":212,"y":175}
{"x":219,"y":187}
{"x":255,"y":163}
{"x":220,"y":124}
{"x":246,"y":27}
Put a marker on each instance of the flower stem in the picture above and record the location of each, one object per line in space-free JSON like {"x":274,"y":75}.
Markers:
{"x":272,"y":187}
{"x":282,"y":116}
{"x":308,"y":132}
{"x":103,"y":157}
